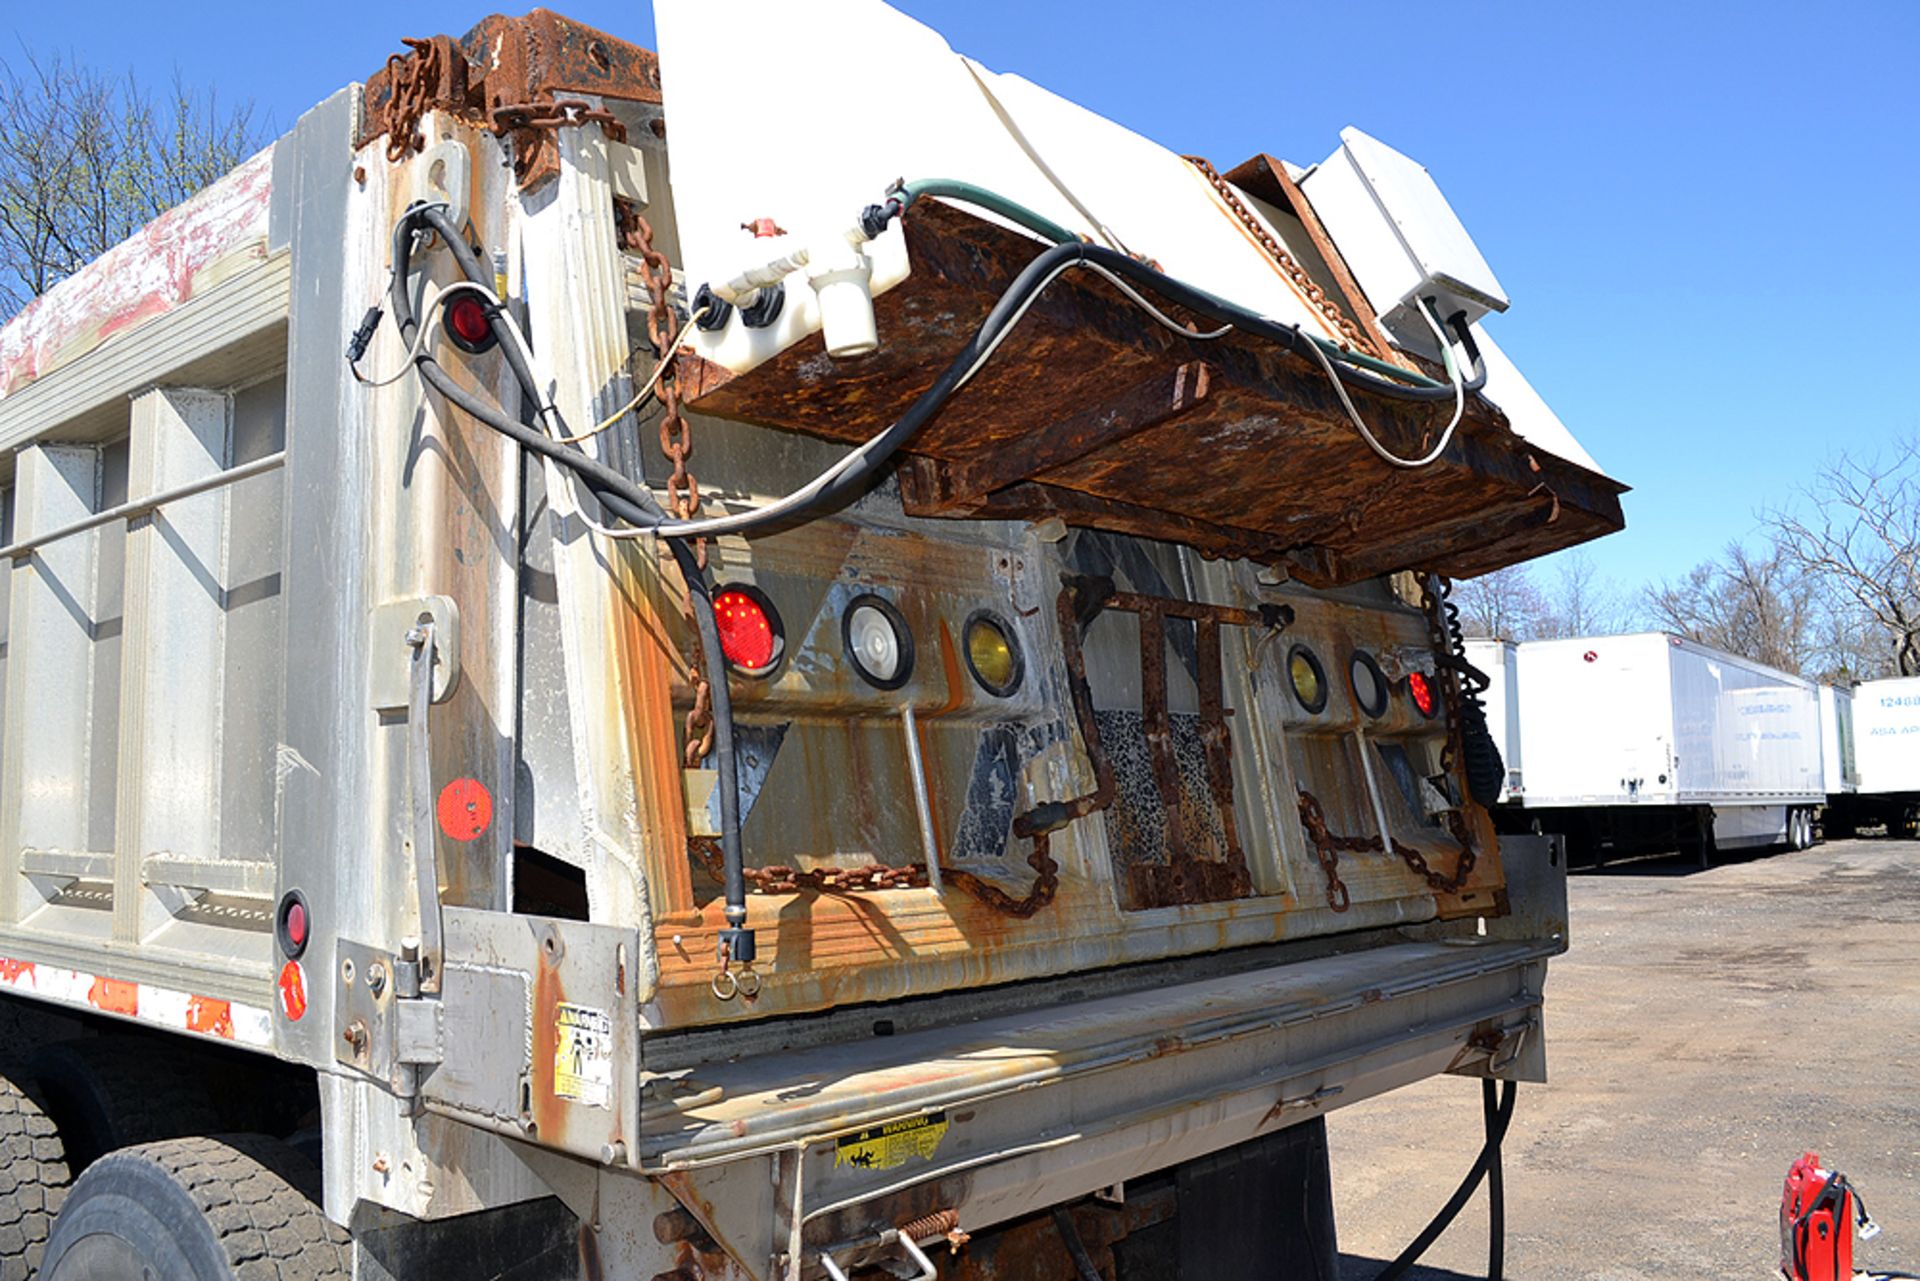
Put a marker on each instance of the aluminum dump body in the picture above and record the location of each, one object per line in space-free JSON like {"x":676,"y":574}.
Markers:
{"x":1175,"y":856}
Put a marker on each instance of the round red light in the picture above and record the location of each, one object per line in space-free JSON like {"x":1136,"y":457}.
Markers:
{"x":297,"y":924}
{"x":471,"y":323}
{"x":747,"y":636}
{"x":1421,"y":690}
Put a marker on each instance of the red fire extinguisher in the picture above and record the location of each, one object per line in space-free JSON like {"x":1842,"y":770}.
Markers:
{"x":1817,"y":1215}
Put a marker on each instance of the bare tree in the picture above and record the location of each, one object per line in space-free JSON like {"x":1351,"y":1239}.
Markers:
{"x":1502,"y":605}
{"x":1581,"y":602}
{"x":87,"y":159}
{"x":1759,"y":605}
{"x":1861,"y":540}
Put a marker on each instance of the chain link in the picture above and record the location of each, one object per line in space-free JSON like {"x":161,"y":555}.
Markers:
{"x":1278,"y":252}
{"x":1328,"y":848}
{"x":676,"y":442}
{"x":410,"y":85}
{"x":818,"y":880}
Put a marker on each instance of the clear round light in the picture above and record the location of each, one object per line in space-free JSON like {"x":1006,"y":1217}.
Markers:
{"x":874,"y":642}
{"x":1367,"y":686}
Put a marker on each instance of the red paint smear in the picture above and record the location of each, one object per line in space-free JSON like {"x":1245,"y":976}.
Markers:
{"x":149,"y":273}
{"x":12,"y":971}
{"x":114,"y":996}
{"x":465,"y":809}
{"x":293,"y":992}
{"x":210,"y":1017}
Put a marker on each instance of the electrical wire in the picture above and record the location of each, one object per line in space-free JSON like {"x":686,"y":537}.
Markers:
{"x":1373,"y":442}
{"x":424,"y":336}
{"x":652,"y":381}
{"x":620,"y":496}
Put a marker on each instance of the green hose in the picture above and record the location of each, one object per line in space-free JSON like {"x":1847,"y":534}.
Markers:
{"x":1047,"y":228}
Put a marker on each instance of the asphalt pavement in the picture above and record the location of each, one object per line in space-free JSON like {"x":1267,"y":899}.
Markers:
{"x":1705,"y":1029}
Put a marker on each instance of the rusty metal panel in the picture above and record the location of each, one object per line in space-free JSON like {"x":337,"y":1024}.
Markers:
{"x":1265,"y":465}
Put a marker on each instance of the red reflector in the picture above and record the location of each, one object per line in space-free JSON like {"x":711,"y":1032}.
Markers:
{"x":467,"y":318}
{"x":1422,"y":691}
{"x":746,"y":633}
{"x":297,"y":924}
{"x":293,"y":991}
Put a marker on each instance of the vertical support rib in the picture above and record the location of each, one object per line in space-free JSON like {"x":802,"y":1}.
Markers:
{"x":44,"y":788}
{"x":172,"y":646}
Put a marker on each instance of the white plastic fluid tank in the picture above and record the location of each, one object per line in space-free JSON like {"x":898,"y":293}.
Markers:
{"x":1400,"y":237}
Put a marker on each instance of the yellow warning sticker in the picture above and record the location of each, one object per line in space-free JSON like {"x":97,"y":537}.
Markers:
{"x":583,"y":1055}
{"x":897,"y":1142}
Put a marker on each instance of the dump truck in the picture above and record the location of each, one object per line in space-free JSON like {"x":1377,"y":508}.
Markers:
{"x":609,"y":676}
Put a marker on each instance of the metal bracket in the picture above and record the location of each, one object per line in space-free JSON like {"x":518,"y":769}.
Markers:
{"x":386,"y":1028}
{"x":393,"y":663}
{"x":892,"y":1236}
{"x":443,"y":175}
{"x":422,"y":844}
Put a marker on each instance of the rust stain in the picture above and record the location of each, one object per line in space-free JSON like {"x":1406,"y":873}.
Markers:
{"x":1207,"y":477}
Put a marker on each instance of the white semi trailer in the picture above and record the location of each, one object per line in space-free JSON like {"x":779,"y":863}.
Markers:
{"x":629,"y":696}
{"x":1886,"y":746}
{"x":1648,"y":741}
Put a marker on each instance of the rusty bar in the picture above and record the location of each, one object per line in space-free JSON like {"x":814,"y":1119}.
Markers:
{"x":1197,"y":611}
{"x":1157,"y":399}
{"x":1266,"y":178}
{"x":1158,"y":723}
{"x":1219,"y":746}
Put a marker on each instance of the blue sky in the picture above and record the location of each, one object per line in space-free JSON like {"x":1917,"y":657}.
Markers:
{"x":1703,"y":213}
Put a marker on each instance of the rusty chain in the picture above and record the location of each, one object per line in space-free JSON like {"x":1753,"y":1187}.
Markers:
{"x":561,"y":114}
{"x":676,"y":441}
{"x":1284,"y":260}
{"x":818,"y":880}
{"x":411,"y":81}
{"x":1046,"y":883}
{"x":1328,"y":848}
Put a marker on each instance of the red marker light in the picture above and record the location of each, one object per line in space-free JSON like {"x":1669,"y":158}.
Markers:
{"x":297,"y":924}
{"x":750,"y":634}
{"x":469,"y":322}
{"x":1421,"y":690}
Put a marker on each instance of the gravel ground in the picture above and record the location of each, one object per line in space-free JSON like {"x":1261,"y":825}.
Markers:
{"x":1704,"y":1030}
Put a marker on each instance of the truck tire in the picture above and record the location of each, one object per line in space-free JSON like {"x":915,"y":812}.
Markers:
{"x":233,"y":1208}
{"x":112,"y":1092}
{"x":33,"y":1181}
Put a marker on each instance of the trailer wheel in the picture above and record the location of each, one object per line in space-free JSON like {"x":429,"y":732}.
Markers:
{"x":208,"y":1209}
{"x":112,"y":1092}
{"x":33,"y":1181}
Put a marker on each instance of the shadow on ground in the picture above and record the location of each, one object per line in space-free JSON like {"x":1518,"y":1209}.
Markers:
{"x":1358,"y":1267}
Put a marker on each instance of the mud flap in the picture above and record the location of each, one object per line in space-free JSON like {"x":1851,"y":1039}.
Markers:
{"x":1263,"y":1208}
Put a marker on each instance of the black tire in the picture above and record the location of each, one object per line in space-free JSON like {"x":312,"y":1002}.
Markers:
{"x":33,"y":1181}
{"x":233,"y":1208}
{"x":113,"y":1092}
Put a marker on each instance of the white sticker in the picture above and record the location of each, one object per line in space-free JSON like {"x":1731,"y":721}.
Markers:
{"x":583,"y":1055}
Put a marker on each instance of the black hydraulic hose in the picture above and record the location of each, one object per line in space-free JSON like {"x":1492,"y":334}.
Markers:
{"x":1076,"y":1246}
{"x":1008,"y":308}
{"x":1497,"y":1116}
{"x":622,"y":498}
